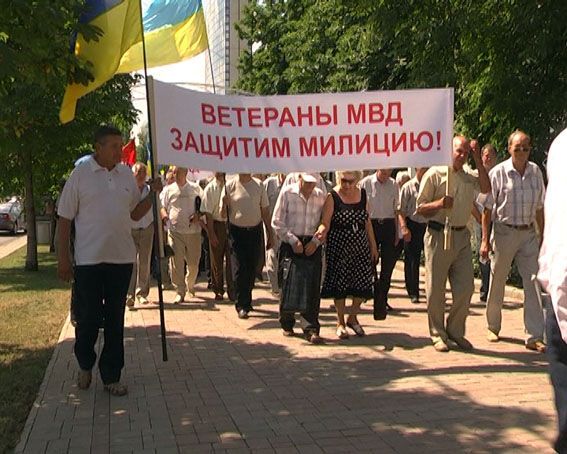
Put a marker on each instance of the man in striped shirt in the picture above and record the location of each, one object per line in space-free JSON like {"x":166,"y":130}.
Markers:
{"x":515,"y":206}
{"x":296,"y":222}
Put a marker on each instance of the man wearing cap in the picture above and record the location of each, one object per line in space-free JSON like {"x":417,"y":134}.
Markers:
{"x":102,"y":198}
{"x":515,"y":206}
{"x":246,"y":201}
{"x":455,"y":262}
{"x":296,"y":221}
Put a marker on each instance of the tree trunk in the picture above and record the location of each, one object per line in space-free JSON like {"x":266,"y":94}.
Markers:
{"x":31,"y":254}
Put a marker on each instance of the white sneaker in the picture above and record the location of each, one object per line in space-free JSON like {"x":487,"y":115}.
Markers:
{"x":130,"y":302}
{"x":142,"y":300}
{"x":178,"y":299}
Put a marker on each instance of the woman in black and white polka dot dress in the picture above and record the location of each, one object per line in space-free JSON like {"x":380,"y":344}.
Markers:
{"x":351,"y":251}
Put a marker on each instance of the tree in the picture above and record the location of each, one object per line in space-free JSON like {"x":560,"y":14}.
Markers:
{"x":35,"y":60}
{"x":506,"y":60}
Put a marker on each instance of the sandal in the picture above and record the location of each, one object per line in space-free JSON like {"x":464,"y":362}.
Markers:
{"x":116,"y":389}
{"x":84,"y":379}
{"x":357,"y":328}
{"x":342,"y":332}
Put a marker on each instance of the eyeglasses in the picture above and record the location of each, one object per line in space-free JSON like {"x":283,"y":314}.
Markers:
{"x":524,"y":149}
{"x":347,"y":181}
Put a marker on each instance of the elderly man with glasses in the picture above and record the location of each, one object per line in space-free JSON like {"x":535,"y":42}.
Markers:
{"x":515,"y":207}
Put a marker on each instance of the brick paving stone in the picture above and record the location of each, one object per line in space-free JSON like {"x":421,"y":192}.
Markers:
{"x":235,"y":385}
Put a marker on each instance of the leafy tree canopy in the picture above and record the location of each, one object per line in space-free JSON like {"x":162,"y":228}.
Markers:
{"x":506,"y":60}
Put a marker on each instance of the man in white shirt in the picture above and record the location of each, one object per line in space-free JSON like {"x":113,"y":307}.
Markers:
{"x":143,"y":235}
{"x":489,"y":160}
{"x":553,"y":277}
{"x":515,"y":206}
{"x":102,"y":198}
{"x":296,"y":221}
{"x":413,"y":238}
{"x":246,"y":201}
{"x":180,"y":203}
{"x":384,"y":205}
{"x":217,"y":230}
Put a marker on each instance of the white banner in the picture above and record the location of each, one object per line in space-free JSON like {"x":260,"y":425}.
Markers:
{"x":319,"y":132}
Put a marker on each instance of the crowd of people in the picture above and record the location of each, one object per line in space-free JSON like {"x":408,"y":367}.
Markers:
{"x":342,"y":240}
{"x":317,"y":239}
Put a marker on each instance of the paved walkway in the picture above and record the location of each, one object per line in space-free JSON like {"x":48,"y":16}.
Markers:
{"x":12,"y":244}
{"x":235,"y":386}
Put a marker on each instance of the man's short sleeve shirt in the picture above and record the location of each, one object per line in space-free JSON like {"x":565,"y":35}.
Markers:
{"x":100,"y":202}
{"x":464,"y":185}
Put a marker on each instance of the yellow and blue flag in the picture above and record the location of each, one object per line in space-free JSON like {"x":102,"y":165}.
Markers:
{"x":119,"y":22}
{"x":174,"y":30}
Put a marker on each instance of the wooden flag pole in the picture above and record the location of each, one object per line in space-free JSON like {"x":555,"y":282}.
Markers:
{"x":158,"y":239}
{"x":447,"y":230}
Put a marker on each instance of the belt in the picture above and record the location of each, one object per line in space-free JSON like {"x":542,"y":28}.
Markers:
{"x":519,"y":226}
{"x":143,"y":228}
{"x":437,"y":226}
{"x":248,"y":229}
{"x":219,"y":222}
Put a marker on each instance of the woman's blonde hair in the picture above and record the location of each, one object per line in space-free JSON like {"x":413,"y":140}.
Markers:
{"x":357,"y":174}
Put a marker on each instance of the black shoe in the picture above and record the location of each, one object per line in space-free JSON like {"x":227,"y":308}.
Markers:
{"x":380,"y":312}
{"x":414,"y":299}
{"x":242,"y":314}
{"x":483,"y":297}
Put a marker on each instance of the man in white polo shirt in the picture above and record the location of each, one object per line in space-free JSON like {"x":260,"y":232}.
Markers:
{"x":102,"y":198}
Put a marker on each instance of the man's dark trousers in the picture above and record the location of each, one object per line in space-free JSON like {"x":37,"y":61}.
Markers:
{"x":385,"y":235}
{"x":412,"y":256}
{"x":311,"y":314}
{"x":100,"y":298}
{"x":245,"y":250}
{"x":557,"y":355}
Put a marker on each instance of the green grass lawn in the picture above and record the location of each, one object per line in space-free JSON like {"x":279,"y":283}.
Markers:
{"x":33,"y":307}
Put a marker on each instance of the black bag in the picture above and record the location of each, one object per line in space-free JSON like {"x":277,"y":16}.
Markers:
{"x":380,"y":308}
{"x":298,"y":283}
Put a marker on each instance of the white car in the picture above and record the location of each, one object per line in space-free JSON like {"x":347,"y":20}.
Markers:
{"x":12,"y":216}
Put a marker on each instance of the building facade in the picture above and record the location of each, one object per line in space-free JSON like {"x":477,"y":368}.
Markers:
{"x":221,"y":69}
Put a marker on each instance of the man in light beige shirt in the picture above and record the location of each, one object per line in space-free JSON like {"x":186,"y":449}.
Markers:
{"x":143,"y":236}
{"x":179,"y":209}
{"x":218,"y":238}
{"x":454,"y":208}
{"x":246,"y":200}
